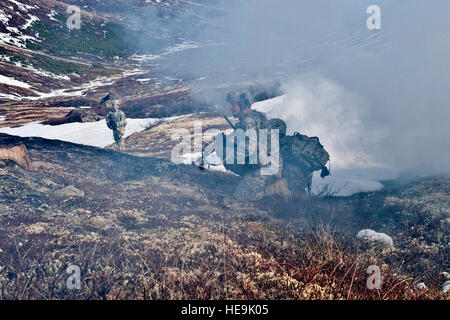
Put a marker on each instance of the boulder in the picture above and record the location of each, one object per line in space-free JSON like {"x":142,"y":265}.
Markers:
{"x":446,"y":285}
{"x":69,"y":192}
{"x":278,"y":188}
{"x":18,"y":154}
{"x":76,"y":115}
{"x":375,"y":238}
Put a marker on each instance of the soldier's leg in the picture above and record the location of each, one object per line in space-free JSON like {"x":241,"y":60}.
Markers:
{"x":251,"y":187}
{"x":117,"y":138}
{"x":122,"y":141}
{"x":309,"y":182}
{"x":277,"y":187}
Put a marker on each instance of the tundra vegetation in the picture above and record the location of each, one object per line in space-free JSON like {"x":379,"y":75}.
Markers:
{"x":144,"y":228}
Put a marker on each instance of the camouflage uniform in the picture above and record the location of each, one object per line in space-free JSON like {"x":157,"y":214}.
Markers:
{"x":302,"y":155}
{"x":116,"y":121}
{"x":253,"y":185}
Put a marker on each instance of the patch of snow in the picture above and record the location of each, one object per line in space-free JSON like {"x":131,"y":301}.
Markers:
{"x":421,"y":286}
{"x":2,"y":118}
{"x":13,"y":82}
{"x":186,"y":45}
{"x":6,"y":38}
{"x":41,"y":72}
{"x":346,"y":182}
{"x":29,"y":22}
{"x":75,"y":91}
{"x":145,"y":79}
{"x":212,"y":159}
{"x":94,"y":134}
{"x":22,"y":6}
{"x":446,"y":285}
{"x":52,"y":15}
{"x":15,"y":36}
{"x":133,"y":72}
{"x":5,"y":58}
{"x":9,"y":96}
{"x":146,"y":57}
{"x":4,"y":18}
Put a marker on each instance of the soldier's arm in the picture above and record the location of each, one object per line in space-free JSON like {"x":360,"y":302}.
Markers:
{"x":124,"y":119}
{"x":248,"y":123}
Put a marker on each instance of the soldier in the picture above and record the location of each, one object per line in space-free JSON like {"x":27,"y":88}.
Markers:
{"x":253,"y":186}
{"x":301,"y":156}
{"x":240,"y":107}
{"x":116,"y":121}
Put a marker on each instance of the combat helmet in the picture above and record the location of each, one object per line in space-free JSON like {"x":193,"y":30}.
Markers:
{"x":278,"y":124}
{"x":243,"y":99}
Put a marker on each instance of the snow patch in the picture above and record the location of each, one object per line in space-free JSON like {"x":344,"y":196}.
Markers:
{"x":22,"y":6}
{"x":29,"y":22}
{"x":4,"y":18}
{"x":187,"y":45}
{"x":346,"y":182}
{"x":94,"y":134}
{"x":13,"y":82}
{"x":52,"y":15}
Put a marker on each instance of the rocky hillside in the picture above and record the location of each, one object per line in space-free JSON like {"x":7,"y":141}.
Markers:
{"x":142,"y":227}
{"x":43,"y":63}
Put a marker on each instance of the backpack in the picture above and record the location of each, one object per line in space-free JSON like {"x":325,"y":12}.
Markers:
{"x":305,"y":150}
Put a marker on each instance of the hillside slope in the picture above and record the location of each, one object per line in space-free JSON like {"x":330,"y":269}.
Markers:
{"x":145,"y":228}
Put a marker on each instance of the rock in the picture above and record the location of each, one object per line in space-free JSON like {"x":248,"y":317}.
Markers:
{"x":375,"y":238}
{"x":279,"y":188}
{"x":50,"y":183}
{"x":446,"y":285}
{"x":70,"y":192}
{"x":18,"y":154}
{"x":76,"y":115}
{"x":421,"y":286}
{"x":43,"y":190}
{"x":250,"y":188}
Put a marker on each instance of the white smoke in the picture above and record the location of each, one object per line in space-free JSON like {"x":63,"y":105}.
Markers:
{"x":373,"y":97}
{"x":316,"y":106}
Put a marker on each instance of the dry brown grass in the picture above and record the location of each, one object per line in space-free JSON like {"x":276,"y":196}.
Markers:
{"x":250,"y":260}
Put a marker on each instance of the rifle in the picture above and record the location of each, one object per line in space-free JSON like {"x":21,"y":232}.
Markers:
{"x":230,"y":123}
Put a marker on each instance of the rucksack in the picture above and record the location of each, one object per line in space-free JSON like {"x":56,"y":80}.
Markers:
{"x":303,"y":149}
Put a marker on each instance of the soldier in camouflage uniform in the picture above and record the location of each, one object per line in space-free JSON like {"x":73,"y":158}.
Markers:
{"x":301,"y":156}
{"x":116,"y":121}
{"x":253,"y":186}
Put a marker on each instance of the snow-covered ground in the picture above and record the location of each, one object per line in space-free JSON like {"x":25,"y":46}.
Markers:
{"x":94,"y":134}
{"x":346,"y":182}
{"x":13,"y":82}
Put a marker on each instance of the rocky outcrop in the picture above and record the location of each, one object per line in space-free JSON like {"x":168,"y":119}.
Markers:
{"x":70,"y":192}
{"x":76,"y":115}
{"x":18,"y":154}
